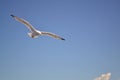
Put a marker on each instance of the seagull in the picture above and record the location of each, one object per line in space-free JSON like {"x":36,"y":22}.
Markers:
{"x":34,"y":33}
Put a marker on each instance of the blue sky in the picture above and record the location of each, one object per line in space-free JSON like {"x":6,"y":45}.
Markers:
{"x":91,"y":29}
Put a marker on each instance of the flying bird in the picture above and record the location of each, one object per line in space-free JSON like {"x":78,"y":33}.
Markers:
{"x":34,"y":33}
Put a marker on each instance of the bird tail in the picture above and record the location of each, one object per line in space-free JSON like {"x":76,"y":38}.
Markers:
{"x":32,"y":35}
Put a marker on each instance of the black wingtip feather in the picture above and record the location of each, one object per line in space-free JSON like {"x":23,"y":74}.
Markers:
{"x":62,"y":39}
{"x":12,"y":15}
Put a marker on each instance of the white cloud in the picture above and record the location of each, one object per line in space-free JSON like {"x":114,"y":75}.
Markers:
{"x":104,"y":77}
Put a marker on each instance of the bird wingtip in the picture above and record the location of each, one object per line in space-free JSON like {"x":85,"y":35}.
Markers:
{"x":62,"y":39}
{"x":12,"y":15}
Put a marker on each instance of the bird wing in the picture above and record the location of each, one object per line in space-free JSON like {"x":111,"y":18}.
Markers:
{"x":26,"y":23}
{"x":52,"y":35}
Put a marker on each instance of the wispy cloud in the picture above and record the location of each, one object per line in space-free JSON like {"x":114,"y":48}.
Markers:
{"x":104,"y":77}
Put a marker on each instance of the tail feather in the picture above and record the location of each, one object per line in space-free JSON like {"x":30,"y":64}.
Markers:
{"x":32,"y":36}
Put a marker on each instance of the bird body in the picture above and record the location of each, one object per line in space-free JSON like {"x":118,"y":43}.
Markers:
{"x":34,"y":32}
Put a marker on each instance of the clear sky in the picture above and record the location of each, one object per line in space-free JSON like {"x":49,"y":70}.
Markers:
{"x":91,"y":29}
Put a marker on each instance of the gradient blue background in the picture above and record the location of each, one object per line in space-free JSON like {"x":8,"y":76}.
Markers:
{"x":91,"y":29}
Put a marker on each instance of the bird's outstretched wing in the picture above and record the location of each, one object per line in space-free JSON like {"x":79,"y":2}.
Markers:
{"x":52,"y":35}
{"x":26,"y":23}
